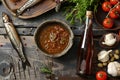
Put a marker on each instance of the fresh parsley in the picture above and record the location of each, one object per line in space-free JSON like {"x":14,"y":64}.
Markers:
{"x":78,"y":11}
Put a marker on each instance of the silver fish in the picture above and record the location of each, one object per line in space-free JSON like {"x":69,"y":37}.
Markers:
{"x":58,"y":5}
{"x":28,"y":4}
{"x":14,"y":38}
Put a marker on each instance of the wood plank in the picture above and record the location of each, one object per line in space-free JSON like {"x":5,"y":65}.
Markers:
{"x":33,"y":11}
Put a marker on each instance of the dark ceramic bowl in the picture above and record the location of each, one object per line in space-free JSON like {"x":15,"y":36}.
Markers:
{"x":100,"y":16}
{"x":42,"y":26}
{"x":106,"y":46}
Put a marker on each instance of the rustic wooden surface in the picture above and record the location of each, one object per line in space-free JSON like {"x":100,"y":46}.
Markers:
{"x":65,"y":65}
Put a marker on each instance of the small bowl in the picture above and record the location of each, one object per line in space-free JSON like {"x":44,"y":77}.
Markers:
{"x":100,"y":15}
{"x":43,"y":26}
{"x":106,"y":46}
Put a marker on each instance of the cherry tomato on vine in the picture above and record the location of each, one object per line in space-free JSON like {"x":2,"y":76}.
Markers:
{"x":108,"y":23}
{"x":118,"y":8}
{"x":114,"y":2}
{"x":114,"y":13}
{"x":101,"y":75}
{"x":106,"y":6}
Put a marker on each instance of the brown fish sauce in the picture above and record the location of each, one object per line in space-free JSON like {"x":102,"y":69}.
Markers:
{"x":54,"y":38}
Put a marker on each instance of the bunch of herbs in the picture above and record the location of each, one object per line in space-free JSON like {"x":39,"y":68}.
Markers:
{"x":78,"y":11}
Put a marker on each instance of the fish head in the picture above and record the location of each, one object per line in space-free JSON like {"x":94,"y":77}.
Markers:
{"x":5,"y":17}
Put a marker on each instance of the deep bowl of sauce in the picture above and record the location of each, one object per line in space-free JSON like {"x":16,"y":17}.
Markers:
{"x":53,"y":38}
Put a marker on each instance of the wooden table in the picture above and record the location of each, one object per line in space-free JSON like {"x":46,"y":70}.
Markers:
{"x":65,"y":65}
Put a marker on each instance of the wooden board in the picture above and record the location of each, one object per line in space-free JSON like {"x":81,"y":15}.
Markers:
{"x":33,"y":11}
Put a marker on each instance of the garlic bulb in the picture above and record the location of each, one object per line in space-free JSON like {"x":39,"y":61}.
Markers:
{"x":103,"y":55}
{"x":114,"y":68}
{"x":109,"y":40}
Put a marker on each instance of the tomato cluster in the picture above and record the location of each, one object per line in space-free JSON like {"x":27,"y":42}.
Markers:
{"x":113,"y":9}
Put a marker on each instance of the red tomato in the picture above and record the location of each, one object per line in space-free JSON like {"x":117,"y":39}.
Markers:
{"x":106,"y":6}
{"x":114,"y":14}
{"x":108,"y":23}
{"x":101,"y":75}
{"x":118,"y":8}
{"x":113,"y":2}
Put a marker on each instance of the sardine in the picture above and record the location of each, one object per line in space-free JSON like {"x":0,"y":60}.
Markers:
{"x":14,"y":39}
{"x":58,"y":5}
{"x":28,"y":4}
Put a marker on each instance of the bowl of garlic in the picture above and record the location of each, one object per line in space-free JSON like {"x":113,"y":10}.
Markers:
{"x":109,"y":40}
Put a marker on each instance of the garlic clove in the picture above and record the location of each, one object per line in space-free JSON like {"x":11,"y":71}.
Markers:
{"x":109,"y":40}
{"x":114,"y":68}
{"x":103,"y":55}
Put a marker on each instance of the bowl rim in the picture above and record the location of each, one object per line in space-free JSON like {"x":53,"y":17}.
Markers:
{"x":70,"y":43}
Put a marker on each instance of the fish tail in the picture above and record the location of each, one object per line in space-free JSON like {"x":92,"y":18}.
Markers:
{"x":26,"y":63}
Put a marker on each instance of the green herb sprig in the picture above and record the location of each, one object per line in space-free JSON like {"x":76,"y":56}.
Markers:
{"x":78,"y":11}
{"x":45,"y":69}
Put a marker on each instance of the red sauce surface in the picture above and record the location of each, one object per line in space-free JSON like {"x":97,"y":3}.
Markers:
{"x":54,"y":39}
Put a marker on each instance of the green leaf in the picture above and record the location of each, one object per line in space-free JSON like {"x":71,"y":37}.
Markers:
{"x":46,"y":70}
{"x":79,"y":10}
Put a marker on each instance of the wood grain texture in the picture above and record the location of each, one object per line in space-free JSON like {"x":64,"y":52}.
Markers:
{"x":68,"y":61}
{"x":33,"y":11}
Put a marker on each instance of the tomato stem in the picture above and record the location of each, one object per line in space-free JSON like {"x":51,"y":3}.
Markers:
{"x":101,"y":75}
{"x":112,"y":9}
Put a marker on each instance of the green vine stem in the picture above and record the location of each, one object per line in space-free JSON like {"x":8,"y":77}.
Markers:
{"x":112,"y":9}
